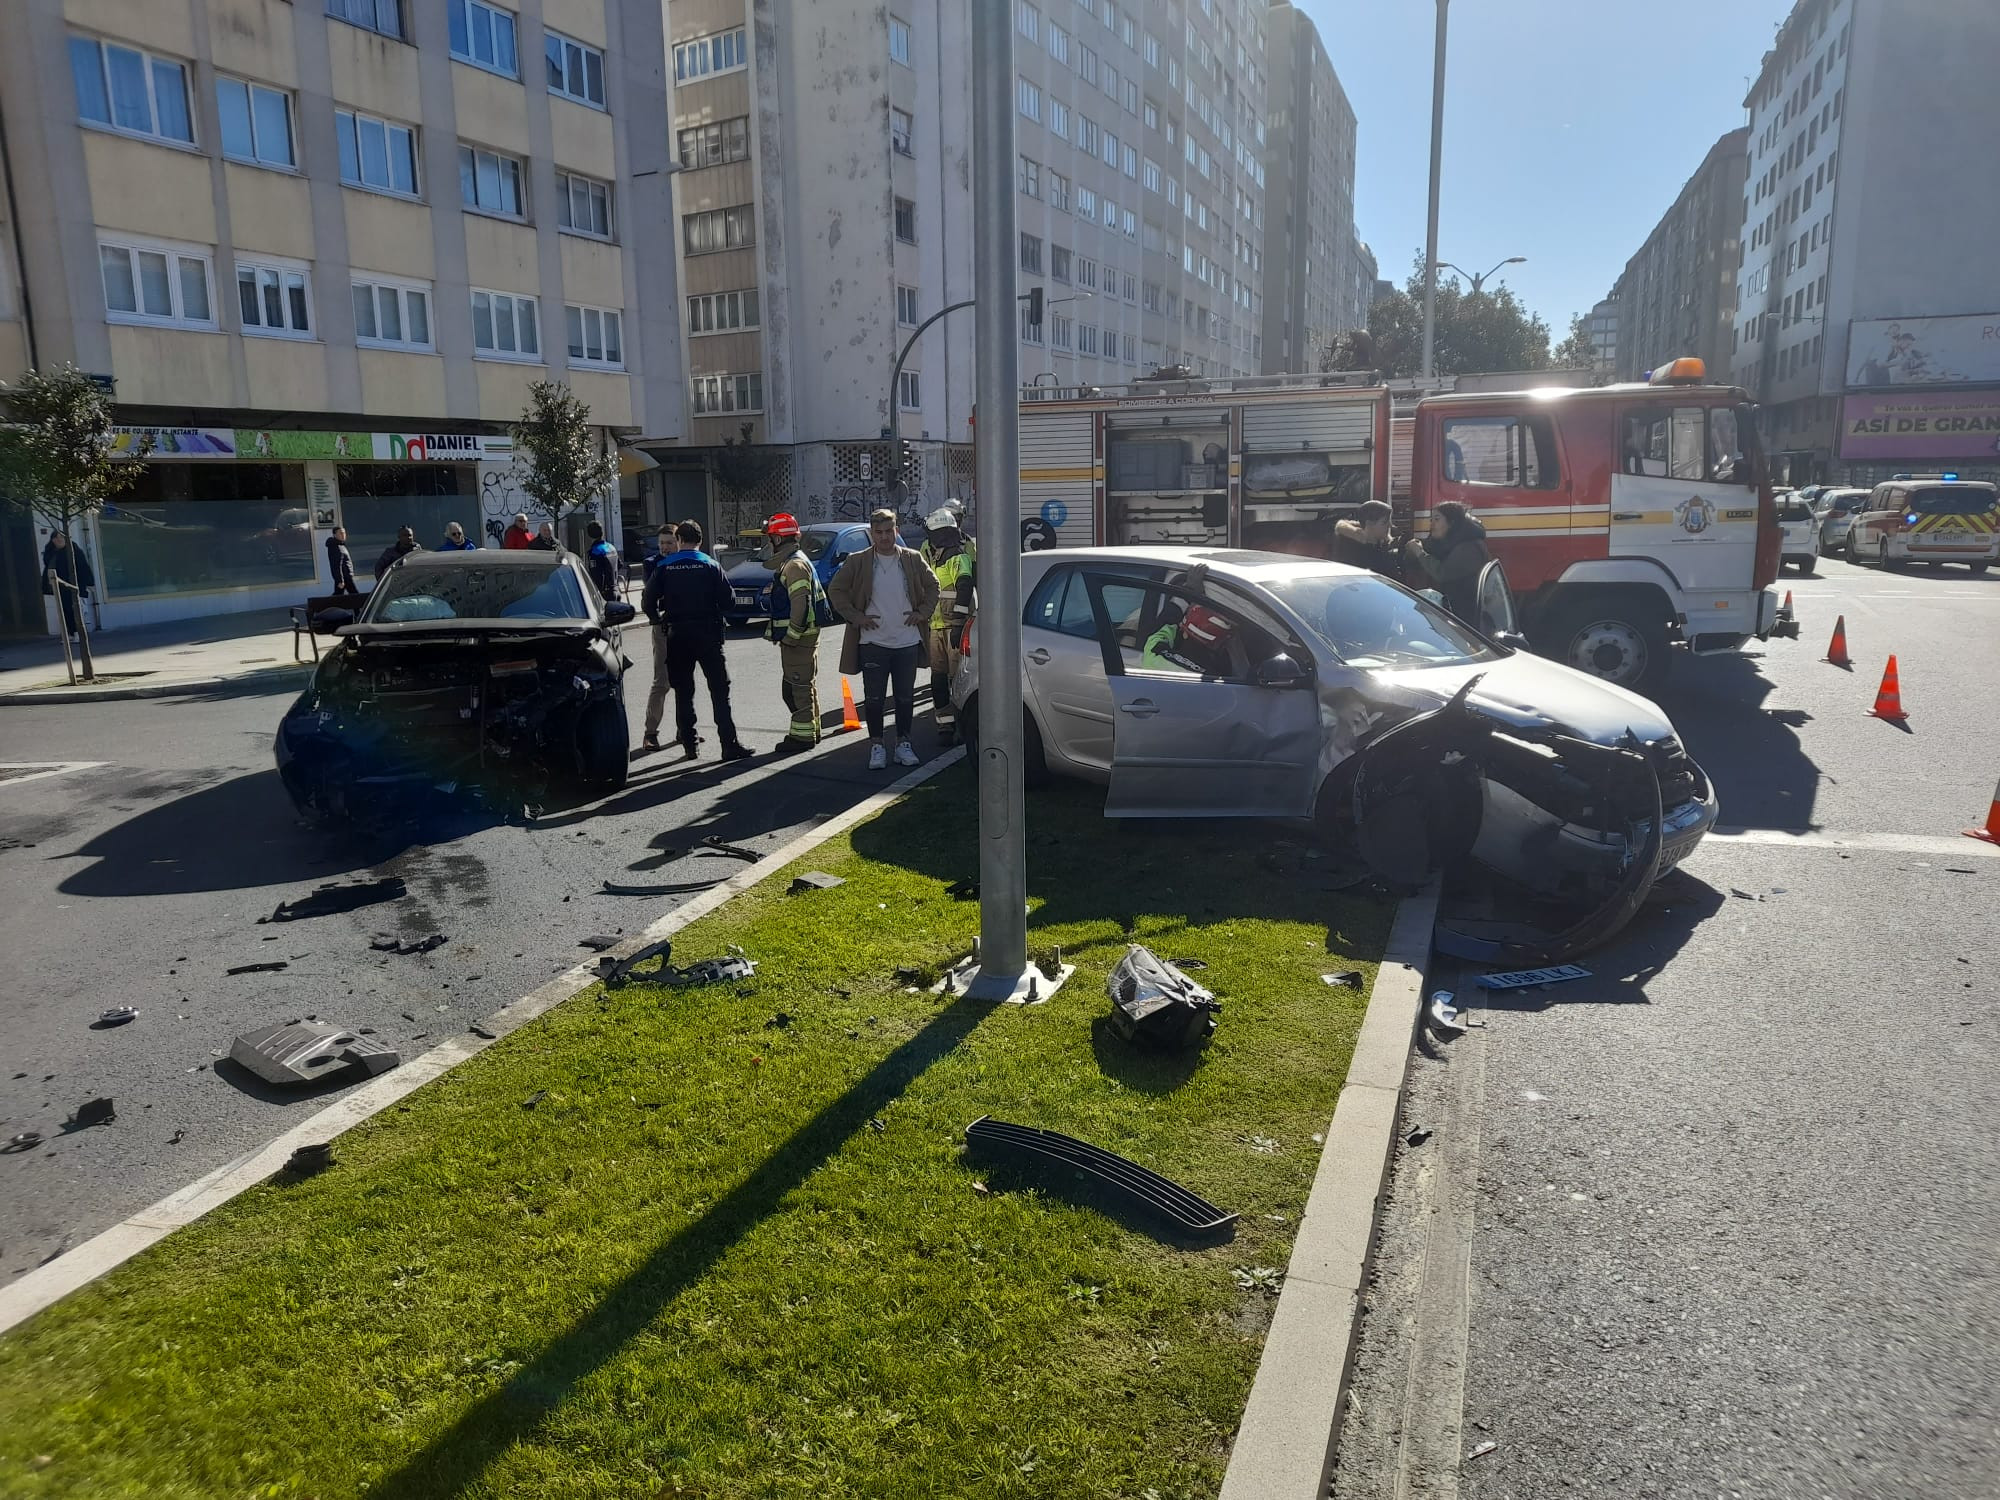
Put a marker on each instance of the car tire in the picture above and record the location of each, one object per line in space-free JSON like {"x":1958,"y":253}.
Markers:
{"x":1853,"y":555}
{"x":1883,"y":560}
{"x":1979,"y":567}
{"x":1608,"y":637}
{"x":1806,"y":566}
{"x":1034,"y":756}
{"x":604,"y":745}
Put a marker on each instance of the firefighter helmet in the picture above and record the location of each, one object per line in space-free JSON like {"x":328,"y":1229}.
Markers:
{"x":782,"y":526}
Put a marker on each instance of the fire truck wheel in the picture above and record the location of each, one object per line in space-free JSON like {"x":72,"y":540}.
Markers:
{"x":1616,"y":639}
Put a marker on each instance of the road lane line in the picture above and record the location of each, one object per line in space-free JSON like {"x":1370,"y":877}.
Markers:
{"x":1888,"y":843}
{"x":41,"y":770}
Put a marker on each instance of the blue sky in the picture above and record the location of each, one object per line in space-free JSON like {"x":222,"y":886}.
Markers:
{"x":1570,"y":126}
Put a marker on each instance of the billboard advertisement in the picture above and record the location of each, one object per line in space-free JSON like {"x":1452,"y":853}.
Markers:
{"x":1923,"y":351}
{"x":1919,"y":425}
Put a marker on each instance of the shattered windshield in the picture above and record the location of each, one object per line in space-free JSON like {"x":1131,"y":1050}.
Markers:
{"x":459,"y":593}
{"x":1368,"y":622}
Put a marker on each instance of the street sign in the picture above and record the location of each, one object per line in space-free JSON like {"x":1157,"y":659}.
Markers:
{"x":102,"y":382}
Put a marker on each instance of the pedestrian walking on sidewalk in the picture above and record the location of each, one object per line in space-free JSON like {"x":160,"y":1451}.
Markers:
{"x":74,"y":579}
{"x":687,"y":598}
{"x":887,"y":596}
{"x":340,"y":562}
{"x":396,"y":551}
{"x":794,"y":626}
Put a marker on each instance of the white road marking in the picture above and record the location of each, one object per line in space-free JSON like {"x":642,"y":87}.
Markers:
{"x":1888,"y":843}
{"x":41,"y":770}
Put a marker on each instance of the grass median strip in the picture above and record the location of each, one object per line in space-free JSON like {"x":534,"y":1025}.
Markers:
{"x":722,"y":1241}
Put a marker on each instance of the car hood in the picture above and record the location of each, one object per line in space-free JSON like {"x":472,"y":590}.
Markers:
{"x":1531,"y":692}
{"x":750,"y":572}
{"x":413,"y":629}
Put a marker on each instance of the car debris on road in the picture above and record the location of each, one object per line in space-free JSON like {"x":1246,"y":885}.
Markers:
{"x":334,"y":899}
{"x":305,"y":1052}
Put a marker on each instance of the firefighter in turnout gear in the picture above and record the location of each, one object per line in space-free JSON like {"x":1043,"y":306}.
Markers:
{"x":794,"y":626}
{"x":948,"y":553}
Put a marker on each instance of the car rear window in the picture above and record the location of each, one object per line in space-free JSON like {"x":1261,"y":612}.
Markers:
{"x":1952,"y":500}
{"x":457,"y":593}
{"x":1794,"y":510}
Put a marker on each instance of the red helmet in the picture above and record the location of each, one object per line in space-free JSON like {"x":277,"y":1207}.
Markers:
{"x":782,"y":525}
{"x":1206,"y":626}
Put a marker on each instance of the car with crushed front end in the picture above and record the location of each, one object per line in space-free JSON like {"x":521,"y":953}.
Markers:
{"x":1227,"y":683}
{"x":490,"y":672}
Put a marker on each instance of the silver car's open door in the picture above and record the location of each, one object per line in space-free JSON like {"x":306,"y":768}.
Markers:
{"x":1214,"y":717}
{"x":1494,"y":603}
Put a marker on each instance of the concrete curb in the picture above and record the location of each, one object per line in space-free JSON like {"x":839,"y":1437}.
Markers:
{"x":249,"y":682}
{"x":48,"y":1284}
{"x":1285,"y":1444}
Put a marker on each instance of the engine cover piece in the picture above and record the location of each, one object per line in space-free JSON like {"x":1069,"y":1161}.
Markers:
{"x":300,"y":1052}
{"x":1155,"y":1003}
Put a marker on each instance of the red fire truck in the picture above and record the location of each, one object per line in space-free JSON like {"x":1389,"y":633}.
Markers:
{"x":1627,"y":517}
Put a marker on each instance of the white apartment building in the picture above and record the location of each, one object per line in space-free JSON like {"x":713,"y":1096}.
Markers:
{"x":1872,"y":198}
{"x":319,"y":251}
{"x":1317,"y":284}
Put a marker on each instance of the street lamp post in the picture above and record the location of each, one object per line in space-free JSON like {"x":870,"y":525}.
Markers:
{"x":1437,"y":163}
{"x":1480,"y":281}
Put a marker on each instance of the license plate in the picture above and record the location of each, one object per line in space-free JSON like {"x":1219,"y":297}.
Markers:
{"x":1521,"y":978}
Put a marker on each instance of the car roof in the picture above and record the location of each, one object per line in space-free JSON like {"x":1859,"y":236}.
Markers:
{"x":1243,"y":563}
{"x":484,"y":557}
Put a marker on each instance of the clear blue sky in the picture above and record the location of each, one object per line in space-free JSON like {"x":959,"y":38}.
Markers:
{"x":1569,"y":127}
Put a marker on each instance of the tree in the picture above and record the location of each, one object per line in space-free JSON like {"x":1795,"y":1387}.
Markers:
{"x":58,"y":463}
{"x":740,"y":467}
{"x":1578,"y":351}
{"x":1476,"y":331}
{"x":562,"y":464}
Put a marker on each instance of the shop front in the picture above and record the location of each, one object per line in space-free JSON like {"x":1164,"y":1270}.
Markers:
{"x":1954,"y":430}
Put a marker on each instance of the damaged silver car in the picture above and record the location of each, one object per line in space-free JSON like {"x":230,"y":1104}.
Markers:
{"x":1212,"y":683}
{"x":487,"y":670}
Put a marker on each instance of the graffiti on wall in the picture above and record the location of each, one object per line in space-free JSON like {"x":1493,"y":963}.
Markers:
{"x":501,"y":498}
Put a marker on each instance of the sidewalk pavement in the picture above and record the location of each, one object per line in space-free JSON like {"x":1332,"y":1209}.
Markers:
{"x":252,"y":650}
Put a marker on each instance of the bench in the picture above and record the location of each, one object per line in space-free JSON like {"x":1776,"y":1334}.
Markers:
{"x":305,"y":617}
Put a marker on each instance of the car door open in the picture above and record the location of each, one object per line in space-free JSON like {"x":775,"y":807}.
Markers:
{"x":1214,"y":713}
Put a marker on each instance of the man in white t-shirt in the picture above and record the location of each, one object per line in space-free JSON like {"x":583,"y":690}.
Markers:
{"x":886,"y":594}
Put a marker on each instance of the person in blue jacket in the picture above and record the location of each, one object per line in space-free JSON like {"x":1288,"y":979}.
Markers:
{"x":601,"y":558}
{"x":455,"y":540}
{"x":688,"y":600}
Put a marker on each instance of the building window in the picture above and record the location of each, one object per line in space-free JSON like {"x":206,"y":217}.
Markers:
{"x":906,"y":221}
{"x":1028,"y":176}
{"x":1031,"y":100}
{"x":504,"y":326}
{"x":1058,"y":192}
{"x":483,"y":35}
{"x":1150,"y":297}
{"x":1129,"y":222}
{"x":1059,"y":330}
{"x":575,"y":71}
{"x":1089,"y":138}
{"x":1086,"y":273}
{"x":723,"y":312}
{"x":1086,"y":338}
{"x":903,"y":132}
{"x":1151,"y":176}
{"x":1031,"y":254}
{"x":728,"y":393}
{"x":1086,"y":64}
{"x":392,"y":314}
{"x":375,"y":154}
{"x":1059,"y":263}
{"x":1152,"y":115}
{"x":706,"y":56}
{"x":1058,"y":42}
{"x":489,"y":182}
{"x":595,"y":336}
{"x":1131,"y":284}
{"x":256,"y":123}
{"x":906,"y":306}
{"x":1129,"y":162}
{"x":1086,"y":204}
{"x":1028,"y":19}
{"x":155,"y":283}
{"x":385,"y":16}
{"x":909,"y":391}
{"x":1110,"y":140}
{"x":899,"y":41}
{"x":274,"y":299}
{"x":583,"y":205}
{"x":1031,"y":333}
{"x":130,"y":91}
{"x":719,"y":229}
{"x":712,"y":145}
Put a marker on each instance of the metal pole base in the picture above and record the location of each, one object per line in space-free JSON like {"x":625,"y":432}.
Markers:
{"x":968,"y":981}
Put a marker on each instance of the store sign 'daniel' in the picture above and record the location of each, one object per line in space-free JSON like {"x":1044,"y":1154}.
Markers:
{"x":433,"y":447}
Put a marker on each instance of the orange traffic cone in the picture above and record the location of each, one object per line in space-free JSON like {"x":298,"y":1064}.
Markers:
{"x":1889,"y":697}
{"x":1991,"y":832}
{"x":849,"y":719}
{"x":1787,"y":610}
{"x":1837,"y":651}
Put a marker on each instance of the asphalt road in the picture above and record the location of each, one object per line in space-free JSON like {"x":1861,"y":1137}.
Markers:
{"x":141,"y":881}
{"x":1720,"y":1220}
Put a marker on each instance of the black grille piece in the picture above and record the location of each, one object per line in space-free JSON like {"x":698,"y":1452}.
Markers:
{"x":1073,"y":1163}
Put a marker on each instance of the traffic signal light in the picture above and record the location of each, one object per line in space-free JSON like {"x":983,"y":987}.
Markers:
{"x":1035,"y":308}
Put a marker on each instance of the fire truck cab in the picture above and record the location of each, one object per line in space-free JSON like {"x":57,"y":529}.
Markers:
{"x":1627,"y":516}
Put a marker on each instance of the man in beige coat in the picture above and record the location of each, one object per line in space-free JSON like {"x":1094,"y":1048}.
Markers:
{"x":886,"y":596}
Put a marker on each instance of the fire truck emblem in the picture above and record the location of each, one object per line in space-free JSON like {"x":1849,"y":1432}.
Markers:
{"x":1694,"y":515}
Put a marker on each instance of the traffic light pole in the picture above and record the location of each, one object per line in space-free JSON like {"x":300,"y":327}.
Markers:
{"x":894,"y":430}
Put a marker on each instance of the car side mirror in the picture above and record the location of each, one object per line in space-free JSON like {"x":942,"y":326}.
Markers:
{"x":1513,"y":640}
{"x":1280,"y":672}
{"x":618,"y":612}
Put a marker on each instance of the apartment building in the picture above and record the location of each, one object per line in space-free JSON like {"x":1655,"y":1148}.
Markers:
{"x":1678,"y":294}
{"x":1600,"y":326}
{"x":1316,"y":284}
{"x":320,"y":250}
{"x":1869,"y":219}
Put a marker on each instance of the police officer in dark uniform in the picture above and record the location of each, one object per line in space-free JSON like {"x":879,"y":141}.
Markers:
{"x":688,"y":597}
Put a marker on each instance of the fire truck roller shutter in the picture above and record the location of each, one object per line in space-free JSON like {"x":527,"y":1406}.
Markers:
{"x":1059,"y":473}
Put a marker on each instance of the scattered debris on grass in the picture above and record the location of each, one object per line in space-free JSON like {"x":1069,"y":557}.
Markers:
{"x":780,"y":1022}
{"x":331,"y":900}
{"x":308,"y":1159}
{"x":617,"y":972}
{"x":1154,"y":1003}
{"x":1263,"y":1145}
{"x":1066,"y":1164}
{"x":963,"y":890}
{"x":301,"y":1052}
{"x":1195,"y":964}
{"x":1345,"y":979}
{"x":263,"y":968}
{"x":815,"y":880}
{"x":535,"y":1098}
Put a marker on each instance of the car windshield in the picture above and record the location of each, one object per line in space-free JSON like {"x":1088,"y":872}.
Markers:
{"x":509,"y":593}
{"x":1954,"y":500}
{"x":1369,"y":622}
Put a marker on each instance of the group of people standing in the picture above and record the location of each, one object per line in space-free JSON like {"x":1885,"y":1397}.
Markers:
{"x":1449,"y":559}
{"x":600,"y":557}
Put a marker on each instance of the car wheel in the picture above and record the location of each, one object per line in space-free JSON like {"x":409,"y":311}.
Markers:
{"x":1806,"y":566}
{"x":1979,"y":567}
{"x":604,"y":745}
{"x":1853,"y":557}
{"x":1608,"y":639}
{"x":1882,"y":559}
{"x":1034,"y":756}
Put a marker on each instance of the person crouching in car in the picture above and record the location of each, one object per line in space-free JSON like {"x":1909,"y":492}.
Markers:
{"x":1451,"y":557}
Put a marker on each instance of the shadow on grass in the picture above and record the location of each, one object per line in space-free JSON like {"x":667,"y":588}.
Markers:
{"x":454,"y":1461}
{"x":1141,"y":1068}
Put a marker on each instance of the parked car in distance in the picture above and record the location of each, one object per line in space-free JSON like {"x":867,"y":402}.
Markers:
{"x":1837,"y":510}
{"x":1224,"y":683}
{"x":827,"y":545}
{"x":1798,"y":530}
{"x":1932,"y":519}
{"x":462,"y":669}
